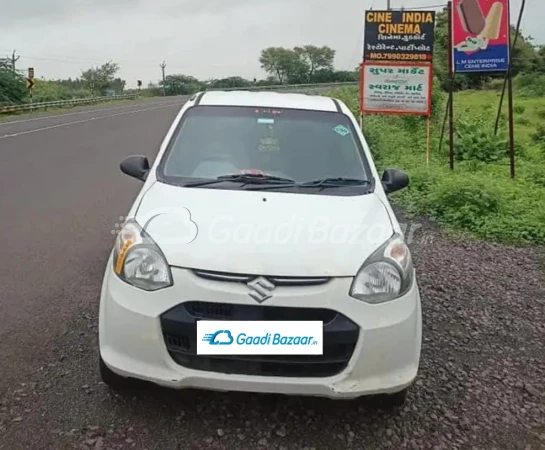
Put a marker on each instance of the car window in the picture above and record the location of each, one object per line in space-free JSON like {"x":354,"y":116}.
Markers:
{"x":301,"y":145}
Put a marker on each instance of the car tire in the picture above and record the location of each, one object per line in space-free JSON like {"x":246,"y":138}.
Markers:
{"x":395,"y":400}
{"x":110,"y":378}
{"x":388,"y":401}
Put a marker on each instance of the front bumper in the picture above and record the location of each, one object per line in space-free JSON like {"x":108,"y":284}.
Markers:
{"x":385,"y":356}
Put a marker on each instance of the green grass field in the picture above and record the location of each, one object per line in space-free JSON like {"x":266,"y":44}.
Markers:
{"x":478,"y":197}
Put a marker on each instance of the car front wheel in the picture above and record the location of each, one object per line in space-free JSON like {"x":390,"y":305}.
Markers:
{"x":387,"y":401}
{"x":111,"y":378}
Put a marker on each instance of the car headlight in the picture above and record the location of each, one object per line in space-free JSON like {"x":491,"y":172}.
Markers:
{"x":386,"y":275}
{"x":138,"y":260}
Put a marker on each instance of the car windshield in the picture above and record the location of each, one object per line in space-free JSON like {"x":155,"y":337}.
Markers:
{"x":284,"y":147}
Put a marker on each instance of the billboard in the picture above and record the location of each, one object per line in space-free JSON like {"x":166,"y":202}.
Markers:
{"x":480,"y":35}
{"x":396,"y":88}
{"x":399,"y":36}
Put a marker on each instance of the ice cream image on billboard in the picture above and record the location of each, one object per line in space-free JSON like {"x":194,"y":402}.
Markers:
{"x":474,"y":22}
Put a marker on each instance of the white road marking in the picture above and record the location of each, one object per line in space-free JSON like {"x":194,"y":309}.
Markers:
{"x":89,"y":111}
{"x":84,"y":120}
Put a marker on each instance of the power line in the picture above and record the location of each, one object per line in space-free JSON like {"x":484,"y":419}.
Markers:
{"x":69,"y":60}
{"x":444,"y":5}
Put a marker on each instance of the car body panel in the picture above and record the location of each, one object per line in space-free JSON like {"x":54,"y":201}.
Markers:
{"x":275,"y":233}
{"x":387,"y":353}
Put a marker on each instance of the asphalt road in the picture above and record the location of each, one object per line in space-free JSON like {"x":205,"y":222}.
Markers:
{"x":61,"y":194}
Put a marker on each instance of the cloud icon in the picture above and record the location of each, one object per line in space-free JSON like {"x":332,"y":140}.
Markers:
{"x":221,"y":337}
{"x":173,"y":225}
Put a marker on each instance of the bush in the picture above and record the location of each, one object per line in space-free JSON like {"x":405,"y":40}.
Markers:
{"x":463,"y":204}
{"x":475,"y":142}
{"x":530,"y":84}
{"x":539,"y":136}
{"x":495,"y":84}
{"x":519,"y":109}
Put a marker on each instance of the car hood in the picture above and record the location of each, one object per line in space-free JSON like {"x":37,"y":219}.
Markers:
{"x":264,"y":232}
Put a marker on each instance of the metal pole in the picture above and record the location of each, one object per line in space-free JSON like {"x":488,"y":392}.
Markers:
{"x":14,"y":60}
{"x":511,"y":116}
{"x":450,"y":88}
{"x":507,"y":74}
{"x":444,"y":124}
{"x":388,"y":4}
{"x":428,"y":140}
{"x":163,"y":65}
{"x":511,"y":126}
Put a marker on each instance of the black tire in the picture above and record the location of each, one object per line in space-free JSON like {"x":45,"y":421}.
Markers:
{"x":395,"y":400}
{"x":111,"y":378}
{"x":387,"y":401}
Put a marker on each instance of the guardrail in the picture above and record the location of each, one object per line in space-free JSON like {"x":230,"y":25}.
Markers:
{"x":294,"y":87}
{"x":87,"y":101}
{"x":63,"y":103}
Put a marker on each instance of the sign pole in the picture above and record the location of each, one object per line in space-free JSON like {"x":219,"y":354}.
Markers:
{"x":428,"y":140}
{"x":511,"y":117}
{"x":30,"y":82}
{"x":450,"y":87}
{"x":511,"y":126}
{"x":362,"y":66}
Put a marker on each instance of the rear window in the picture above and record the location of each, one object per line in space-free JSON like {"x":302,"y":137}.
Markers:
{"x":298,"y":144}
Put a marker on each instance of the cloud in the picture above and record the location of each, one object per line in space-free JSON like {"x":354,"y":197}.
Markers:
{"x":204,"y":38}
{"x":222,"y":337}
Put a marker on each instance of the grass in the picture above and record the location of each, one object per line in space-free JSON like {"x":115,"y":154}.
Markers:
{"x":478,"y":197}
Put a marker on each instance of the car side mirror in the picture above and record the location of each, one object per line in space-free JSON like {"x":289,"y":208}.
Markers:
{"x":394,"y":180}
{"x":136,"y":166}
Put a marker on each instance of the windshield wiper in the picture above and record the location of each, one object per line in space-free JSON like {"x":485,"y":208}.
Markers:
{"x":322,"y":183}
{"x":335,"y":182}
{"x":245,"y":178}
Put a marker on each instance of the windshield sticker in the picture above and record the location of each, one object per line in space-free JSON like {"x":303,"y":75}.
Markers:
{"x":274,"y":112}
{"x":342,"y":130}
{"x":265,"y":121}
{"x":268,"y":145}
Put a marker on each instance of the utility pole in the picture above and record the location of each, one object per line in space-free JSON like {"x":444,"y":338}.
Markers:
{"x":388,"y":5}
{"x":162,"y":66}
{"x":14,"y":60}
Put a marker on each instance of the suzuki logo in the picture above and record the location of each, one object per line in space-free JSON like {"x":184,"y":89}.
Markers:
{"x":260,"y":289}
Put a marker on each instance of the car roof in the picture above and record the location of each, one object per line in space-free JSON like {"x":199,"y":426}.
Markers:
{"x":266,"y":99}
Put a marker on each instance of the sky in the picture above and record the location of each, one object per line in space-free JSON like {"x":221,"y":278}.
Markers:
{"x":203,"y":38}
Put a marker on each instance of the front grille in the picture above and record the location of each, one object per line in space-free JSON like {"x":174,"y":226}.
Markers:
{"x":246,"y":278}
{"x":229,"y":311}
{"x":179,"y":327}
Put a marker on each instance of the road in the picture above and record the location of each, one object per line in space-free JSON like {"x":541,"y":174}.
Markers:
{"x":61,"y":194}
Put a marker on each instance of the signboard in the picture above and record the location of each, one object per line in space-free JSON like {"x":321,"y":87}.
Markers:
{"x":480,"y":35}
{"x":395,"y":88}
{"x":399,"y":36}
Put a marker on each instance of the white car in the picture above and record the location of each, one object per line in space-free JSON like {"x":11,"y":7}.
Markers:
{"x":263,"y":217}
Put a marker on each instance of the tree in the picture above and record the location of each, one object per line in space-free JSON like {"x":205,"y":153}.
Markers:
{"x":284,"y":64}
{"x":118,"y":85}
{"x":316,"y":58}
{"x":181,"y":85}
{"x":98,"y":79}
{"x":12,"y":84}
{"x":231,"y":82}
